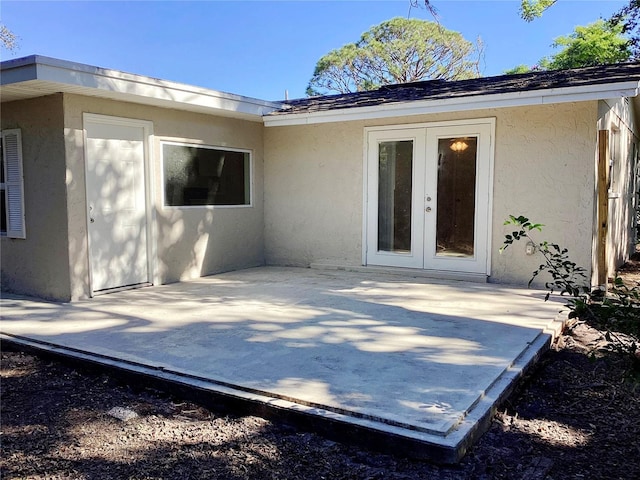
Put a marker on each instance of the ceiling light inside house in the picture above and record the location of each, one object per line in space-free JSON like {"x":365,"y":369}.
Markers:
{"x":458,"y":145}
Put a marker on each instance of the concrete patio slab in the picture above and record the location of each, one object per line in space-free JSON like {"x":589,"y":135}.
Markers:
{"x":414,"y":358}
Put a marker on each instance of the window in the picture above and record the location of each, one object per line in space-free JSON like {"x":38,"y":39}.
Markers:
{"x":202,"y":175}
{"x":11,"y":185}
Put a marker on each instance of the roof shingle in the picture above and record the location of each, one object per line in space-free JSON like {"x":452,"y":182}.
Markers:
{"x":443,"y":89}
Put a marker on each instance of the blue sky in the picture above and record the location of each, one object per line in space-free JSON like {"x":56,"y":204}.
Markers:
{"x":262,"y":48}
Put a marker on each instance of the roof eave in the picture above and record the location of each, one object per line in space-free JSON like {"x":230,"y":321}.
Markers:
{"x":55,"y":75}
{"x":456,"y":104}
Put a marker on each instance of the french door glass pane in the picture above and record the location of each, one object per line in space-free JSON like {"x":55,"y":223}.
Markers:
{"x":456,"y":196}
{"x":395,"y":172}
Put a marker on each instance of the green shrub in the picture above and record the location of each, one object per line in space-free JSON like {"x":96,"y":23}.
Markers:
{"x":615,"y":309}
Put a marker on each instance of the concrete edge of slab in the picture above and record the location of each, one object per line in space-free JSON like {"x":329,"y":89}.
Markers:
{"x":368,"y":433}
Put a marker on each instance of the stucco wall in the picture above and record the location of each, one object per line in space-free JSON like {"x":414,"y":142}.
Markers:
{"x":313,"y":207}
{"x":617,"y":116}
{"x":544,"y":161}
{"x":190,"y":242}
{"x":545,"y":170}
{"x":39,"y":264}
{"x":313,"y":202}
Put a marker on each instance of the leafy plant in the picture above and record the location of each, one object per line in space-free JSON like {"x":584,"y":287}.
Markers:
{"x":616,"y":310}
{"x":566,"y":276}
{"x":619,"y":309}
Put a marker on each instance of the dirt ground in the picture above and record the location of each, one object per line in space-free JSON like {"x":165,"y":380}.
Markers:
{"x":576,"y":416}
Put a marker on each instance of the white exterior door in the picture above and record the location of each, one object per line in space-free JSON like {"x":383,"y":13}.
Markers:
{"x":116,"y":202}
{"x":429,"y":197}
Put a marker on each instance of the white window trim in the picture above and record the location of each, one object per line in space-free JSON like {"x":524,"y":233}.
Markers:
{"x":13,"y":185}
{"x":211,"y":147}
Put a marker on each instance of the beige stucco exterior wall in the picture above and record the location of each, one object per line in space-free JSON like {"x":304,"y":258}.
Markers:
{"x":307,"y":191}
{"x":544,"y":164}
{"x":190,"y":242}
{"x":544,"y":170}
{"x":618,"y":117}
{"x":313,"y":202}
{"x":39,"y":264}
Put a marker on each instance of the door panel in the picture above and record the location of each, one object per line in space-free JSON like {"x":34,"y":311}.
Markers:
{"x":457,"y":227}
{"x":394,"y":223}
{"x":116,"y":205}
{"x":447,"y":202}
{"x":395,"y":196}
{"x":455,"y":193}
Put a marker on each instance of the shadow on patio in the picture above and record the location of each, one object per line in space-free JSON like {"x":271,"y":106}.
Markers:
{"x":414,"y":357}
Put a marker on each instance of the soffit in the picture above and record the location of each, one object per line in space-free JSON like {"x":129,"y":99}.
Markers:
{"x":37,"y":76}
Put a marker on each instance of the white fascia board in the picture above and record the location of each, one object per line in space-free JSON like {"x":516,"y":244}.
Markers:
{"x":135,"y":87}
{"x":458,"y":104}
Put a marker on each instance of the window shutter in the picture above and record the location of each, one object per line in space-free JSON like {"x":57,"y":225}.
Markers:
{"x":14,"y":187}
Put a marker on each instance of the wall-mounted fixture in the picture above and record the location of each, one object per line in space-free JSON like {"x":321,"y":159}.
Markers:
{"x":530,"y":248}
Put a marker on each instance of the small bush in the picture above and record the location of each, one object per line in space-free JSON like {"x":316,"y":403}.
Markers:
{"x":615,"y":310}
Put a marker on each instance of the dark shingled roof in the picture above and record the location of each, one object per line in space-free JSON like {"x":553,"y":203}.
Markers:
{"x":443,"y":89}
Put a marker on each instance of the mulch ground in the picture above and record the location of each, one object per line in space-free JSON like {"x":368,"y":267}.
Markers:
{"x":576,"y":416}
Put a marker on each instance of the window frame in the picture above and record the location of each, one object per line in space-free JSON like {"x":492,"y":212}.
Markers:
{"x":17,"y":184}
{"x":206,"y":147}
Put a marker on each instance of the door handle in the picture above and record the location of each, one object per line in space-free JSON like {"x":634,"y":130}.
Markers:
{"x":428,"y":209}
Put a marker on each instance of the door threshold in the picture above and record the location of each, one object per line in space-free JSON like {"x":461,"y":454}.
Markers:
{"x":120,"y":289}
{"x":406,"y":272}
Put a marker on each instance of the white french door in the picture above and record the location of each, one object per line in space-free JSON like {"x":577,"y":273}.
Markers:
{"x":429,"y":196}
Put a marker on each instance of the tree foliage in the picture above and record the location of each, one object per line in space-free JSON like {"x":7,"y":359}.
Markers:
{"x":522,"y":68}
{"x":628,"y":18}
{"x":598,"y":43}
{"x":399,"y":50}
{"x":532,"y":9}
{"x":7,"y":39}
